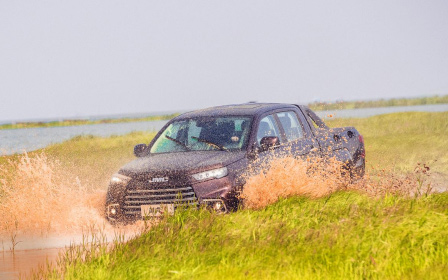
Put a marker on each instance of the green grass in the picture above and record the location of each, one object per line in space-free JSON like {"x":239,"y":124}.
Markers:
{"x":343,"y":236}
{"x":318,"y":106}
{"x":19,"y":125}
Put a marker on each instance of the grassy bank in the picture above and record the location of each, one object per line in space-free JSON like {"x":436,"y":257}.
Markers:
{"x":401,"y":140}
{"x":343,"y":236}
{"x":18,"y":125}
{"x":318,"y":106}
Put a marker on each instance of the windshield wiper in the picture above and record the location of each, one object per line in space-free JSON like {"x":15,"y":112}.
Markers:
{"x":177,"y":142}
{"x":210,"y":143}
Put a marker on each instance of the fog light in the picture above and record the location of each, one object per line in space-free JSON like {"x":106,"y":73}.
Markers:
{"x":112,"y":210}
{"x":216,"y":205}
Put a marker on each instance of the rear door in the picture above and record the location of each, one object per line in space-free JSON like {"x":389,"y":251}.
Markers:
{"x":328,"y":140}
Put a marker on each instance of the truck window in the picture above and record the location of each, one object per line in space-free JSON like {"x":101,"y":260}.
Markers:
{"x":267,"y":127}
{"x":291,"y":126}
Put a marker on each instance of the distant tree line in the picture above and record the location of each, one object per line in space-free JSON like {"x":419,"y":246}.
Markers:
{"x":320,"y":106}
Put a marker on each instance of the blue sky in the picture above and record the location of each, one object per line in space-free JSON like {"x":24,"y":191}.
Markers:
{"x":80,"y":58}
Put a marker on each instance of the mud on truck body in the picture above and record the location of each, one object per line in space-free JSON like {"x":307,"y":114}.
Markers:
{"x":202,"y":157}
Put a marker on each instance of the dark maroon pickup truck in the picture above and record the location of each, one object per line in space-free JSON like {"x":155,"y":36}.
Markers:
{"x":201,"y":157}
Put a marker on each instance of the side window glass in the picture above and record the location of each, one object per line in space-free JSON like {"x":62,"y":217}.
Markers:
{"x":174,"y":131}
{"x":267,"y":127}
{"x":291,"y":126}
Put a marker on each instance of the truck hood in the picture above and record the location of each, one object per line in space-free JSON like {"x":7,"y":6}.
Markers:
{"x":183,"y":162}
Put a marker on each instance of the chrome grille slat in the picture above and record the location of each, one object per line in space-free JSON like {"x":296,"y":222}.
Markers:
{"x":158,"y":195}
{"x":133,"y":212}
{"x":160,"y":190}
{"x":143,"y":202}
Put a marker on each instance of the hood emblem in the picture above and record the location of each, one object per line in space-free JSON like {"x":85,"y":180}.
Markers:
{"x":159,"y":180}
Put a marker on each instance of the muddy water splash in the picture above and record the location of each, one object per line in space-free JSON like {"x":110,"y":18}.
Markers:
{"x":43,"y":206}
{"x":288,"y":176}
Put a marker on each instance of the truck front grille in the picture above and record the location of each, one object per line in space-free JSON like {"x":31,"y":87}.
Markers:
{"x":134,"y":199}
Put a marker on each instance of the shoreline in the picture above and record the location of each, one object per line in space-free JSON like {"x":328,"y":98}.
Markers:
{"x":315,"y":106}
{"x":73,"y":122}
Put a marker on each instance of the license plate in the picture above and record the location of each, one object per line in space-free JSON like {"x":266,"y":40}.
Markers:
{"x":157,"y":210}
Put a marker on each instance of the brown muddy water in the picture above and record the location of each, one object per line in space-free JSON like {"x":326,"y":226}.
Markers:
{"x":44,"y":210}
{"x":20,"y":264}
{"x":33,"y":253}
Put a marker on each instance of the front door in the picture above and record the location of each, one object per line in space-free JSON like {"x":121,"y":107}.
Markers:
{"x":268,"y":127}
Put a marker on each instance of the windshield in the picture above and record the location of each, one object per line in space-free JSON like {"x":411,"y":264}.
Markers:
{"x":204,"y":134}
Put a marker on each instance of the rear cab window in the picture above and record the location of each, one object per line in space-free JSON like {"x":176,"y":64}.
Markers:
{"x":313,"y":119}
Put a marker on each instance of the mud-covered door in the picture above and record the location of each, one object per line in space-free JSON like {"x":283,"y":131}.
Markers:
{"x":297,"y":142}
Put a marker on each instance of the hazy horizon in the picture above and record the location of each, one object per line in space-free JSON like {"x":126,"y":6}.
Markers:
{"x":82,"y":58}
{"x":158,"y":113}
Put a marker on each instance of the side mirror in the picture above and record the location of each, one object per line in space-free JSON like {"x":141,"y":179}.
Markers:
{"x":269,"y":143}
{"x":140,"y":150}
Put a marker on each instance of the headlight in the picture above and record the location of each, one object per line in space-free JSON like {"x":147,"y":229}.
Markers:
{"x":211,"y":174}
{"x":119,"y":179}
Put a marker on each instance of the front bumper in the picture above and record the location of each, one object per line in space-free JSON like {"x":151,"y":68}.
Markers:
{"x":215,"y":194}
{"x":114,"y":212}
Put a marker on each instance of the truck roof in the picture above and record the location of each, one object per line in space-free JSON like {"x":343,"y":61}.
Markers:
{"x":244,"y":109}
